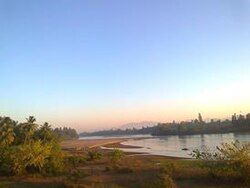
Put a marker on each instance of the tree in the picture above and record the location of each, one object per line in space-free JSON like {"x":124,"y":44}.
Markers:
{"x":28,"y":129}
{"x":234,"y":118}
{"x":45,"y":132}
{"x":31,"y":119}
{"x":27,"y":148}
{"x":7,"y":134}
{"x":200,"y":118}
{"x":31,"y":157}
{"x":241,"y":117}
{"x":66,"y":133}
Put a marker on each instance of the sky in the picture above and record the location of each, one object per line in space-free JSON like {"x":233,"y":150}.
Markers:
{"x":98,"y":64}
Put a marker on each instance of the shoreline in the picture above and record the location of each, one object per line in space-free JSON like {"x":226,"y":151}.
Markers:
{"x":120,"y":145}
{"x":94,"y":143}
{"x":82,"y":144}
{"x":109,"y":144}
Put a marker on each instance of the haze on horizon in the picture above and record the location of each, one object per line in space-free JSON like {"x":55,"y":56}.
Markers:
{"x":99,"y":64}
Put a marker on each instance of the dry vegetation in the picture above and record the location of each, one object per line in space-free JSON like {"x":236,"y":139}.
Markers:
{"x":99,"y":170}
{"x":30,"y":156}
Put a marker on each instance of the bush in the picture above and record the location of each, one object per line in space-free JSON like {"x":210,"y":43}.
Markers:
{"x":31,"y":157}
{"x":94,"y":155}
{"x":116,"y":155}
{"x":76,"y":160}
{"x":228,"y":161}
{"x":55,"y":160}
{"x":75,"y":175}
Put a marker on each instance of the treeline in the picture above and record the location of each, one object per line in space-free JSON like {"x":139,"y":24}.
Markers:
{"x":241,"y":122}
{"x":238,"y":123}
{"x":66,"y":133}
{"x":28,"y":148}
{"x":119,"y":132}
{"x":31,"y":148}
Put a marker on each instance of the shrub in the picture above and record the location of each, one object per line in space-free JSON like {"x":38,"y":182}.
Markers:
{"x":116,"y":155}
{"x":76,"y":174}
{"x":228,"y":161}
{"x":94,"y":155}
{"x":31,"y":157}
{"x":55,"y":161}
{"x":76,"y":160}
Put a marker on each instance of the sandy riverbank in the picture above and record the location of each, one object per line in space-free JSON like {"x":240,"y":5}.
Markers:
{"x":111,"y":142}
{"x":107,"y":143}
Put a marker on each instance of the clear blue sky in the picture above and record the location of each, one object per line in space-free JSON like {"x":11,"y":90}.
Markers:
{"x":96,"y":64}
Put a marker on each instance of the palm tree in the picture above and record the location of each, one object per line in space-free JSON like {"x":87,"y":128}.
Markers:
{"x":31,"y":119}
{"x":15,"y":123}
{"x":7,"y":135}
{"x":28,"y":128}
{"x":45,"y":132}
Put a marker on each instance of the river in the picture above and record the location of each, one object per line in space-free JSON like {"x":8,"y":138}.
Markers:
{"x":180,"y":146}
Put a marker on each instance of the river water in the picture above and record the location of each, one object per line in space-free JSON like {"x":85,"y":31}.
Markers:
{"x":181,"y":146}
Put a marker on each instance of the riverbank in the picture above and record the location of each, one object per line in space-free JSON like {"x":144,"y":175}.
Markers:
{"x":93,"y":143}
{"x":106,"y":145}
{"x":177,"y":146}
{"x":131,"y":171}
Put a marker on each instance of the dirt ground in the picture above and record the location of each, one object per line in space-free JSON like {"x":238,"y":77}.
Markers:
{"x":131,"y":171}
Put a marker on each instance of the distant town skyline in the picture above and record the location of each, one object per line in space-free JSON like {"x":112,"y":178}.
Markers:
{"x":99,"y":64}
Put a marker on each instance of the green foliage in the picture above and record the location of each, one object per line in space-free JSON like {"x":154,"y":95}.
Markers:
{"x":116,"y":155}
{"x":31,"y":157}
{"x":228,"y":161}
{"x":239,"y":123}
{"x":45,"y":133}
{"x":26,"y":148}
{"x":55,"y":160}
{"x":76,"y":174}
{"x":7,"y":134}
{"x":198,"y":126}
{"x":66,"y":133}
{"x":94,"y":155}
{"x":76,"y":160}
